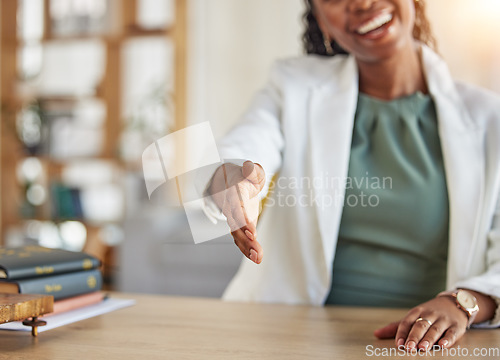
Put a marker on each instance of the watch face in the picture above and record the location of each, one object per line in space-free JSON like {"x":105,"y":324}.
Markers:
{"x":466,"y":299}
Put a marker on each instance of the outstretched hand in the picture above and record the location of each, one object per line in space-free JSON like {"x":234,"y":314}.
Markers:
{"x":234,"y":189}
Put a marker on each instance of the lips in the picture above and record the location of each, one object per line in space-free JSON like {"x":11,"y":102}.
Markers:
{"x":374,"y":23}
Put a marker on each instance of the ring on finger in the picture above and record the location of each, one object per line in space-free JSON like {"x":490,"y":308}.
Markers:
{"x":423,"y":319}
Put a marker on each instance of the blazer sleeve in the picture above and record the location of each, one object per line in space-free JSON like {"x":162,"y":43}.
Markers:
{"x":484,"y":107}
{"x":257,"y":137}
{"x":489,"y":282}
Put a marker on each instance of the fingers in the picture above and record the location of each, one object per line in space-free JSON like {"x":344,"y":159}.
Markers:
{"x":241,"y":211}
{"x":234,"y":209}
{"x":251,"y":209}
{"x":438,"y":321}
{"x":405,"y":326}
{"x":418,"y":330}
{"x":424,"y":336}
{"x":250,"y":248}
{"x":254,"y":174}
{"x":238,"y":187}
{"x":388,"y":331}
{"x":433,"y":335}
{"x":242,"y":235}
{"x":451,"y":336}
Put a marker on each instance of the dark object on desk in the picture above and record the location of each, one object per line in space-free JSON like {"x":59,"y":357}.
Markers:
{"x":35,"y":261}
{"x":60,"y":286}
{"x":16,"y":307}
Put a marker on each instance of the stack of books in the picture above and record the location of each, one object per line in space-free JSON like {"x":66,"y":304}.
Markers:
{"x":73,"y":278}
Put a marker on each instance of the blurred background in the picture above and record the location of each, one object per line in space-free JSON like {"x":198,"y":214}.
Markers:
{"x":87,"y":85}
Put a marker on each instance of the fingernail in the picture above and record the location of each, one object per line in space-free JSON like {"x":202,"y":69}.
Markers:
{"x":410,"y":345}
{"x":424,"y":345}
{"x":249,"y":234}
{"x":253,"y":255}
{"x":443,"y":343}
{"x":400,"y":342}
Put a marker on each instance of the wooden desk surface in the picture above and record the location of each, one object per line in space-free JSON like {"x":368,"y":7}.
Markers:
{"x":160,"y":327}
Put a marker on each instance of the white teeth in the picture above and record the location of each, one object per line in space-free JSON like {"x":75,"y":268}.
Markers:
{"x":375,"y":23}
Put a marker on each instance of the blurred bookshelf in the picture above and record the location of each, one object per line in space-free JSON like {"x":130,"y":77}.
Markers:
{"x":86,"y":85}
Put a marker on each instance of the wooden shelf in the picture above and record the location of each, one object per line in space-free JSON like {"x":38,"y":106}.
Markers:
{"x":130,"y":32}
{"x":137,"y":31}
{"x":109,"y":91}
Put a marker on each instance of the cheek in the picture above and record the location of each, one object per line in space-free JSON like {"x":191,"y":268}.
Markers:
{"x":337,"y":29}
{"x":335,"y":25}
{"x":330,"y":17}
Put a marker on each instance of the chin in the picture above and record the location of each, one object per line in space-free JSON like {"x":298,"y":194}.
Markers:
{"x":382,"y":51}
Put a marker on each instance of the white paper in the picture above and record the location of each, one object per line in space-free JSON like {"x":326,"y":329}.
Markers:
{"x":72,"y":316}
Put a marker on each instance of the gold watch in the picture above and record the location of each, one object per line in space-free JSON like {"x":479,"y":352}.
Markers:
{"x":465,"y":301}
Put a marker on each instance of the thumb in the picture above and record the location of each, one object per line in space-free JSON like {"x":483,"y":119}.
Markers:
{"x":254,"y":173}
{"x":388,"y":331}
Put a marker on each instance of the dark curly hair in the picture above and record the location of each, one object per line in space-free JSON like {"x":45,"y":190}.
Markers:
{"x":313,"y":37}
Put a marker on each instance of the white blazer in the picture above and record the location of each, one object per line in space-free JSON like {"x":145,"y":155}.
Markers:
{"x":300,"y":126}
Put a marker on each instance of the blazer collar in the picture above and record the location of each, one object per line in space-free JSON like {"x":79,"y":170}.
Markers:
{"x":331,"y":116}
{"x":443,"y":90}
{"x":462,"y":148}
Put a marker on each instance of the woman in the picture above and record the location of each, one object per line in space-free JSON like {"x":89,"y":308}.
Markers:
{"x":388,"y":178}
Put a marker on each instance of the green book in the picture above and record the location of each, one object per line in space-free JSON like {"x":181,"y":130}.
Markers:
{"x":35,"y":261}
{"x":60,"y":286}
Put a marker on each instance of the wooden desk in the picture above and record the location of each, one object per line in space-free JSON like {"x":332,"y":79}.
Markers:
{"x":188,"y":328}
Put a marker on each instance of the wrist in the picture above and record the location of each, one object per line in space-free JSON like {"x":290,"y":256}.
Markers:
{"x":487,"y":306}
{"x":465,"y":301}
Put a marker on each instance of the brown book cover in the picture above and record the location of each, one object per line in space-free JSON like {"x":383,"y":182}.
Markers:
{"x":34,"y":261}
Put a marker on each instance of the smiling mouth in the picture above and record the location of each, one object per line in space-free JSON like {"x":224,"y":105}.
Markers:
{"x":374,"y":23}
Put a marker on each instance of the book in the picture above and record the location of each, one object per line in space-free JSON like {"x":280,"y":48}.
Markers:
{"x":66,"y":202}
{"x":36,"y":261}
{"x":68,"y":317}
{"x":15,"y":307}
{"x":76,"y":302}
{"x":60,"y":286}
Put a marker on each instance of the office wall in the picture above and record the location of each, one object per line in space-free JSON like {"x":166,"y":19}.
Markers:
{"x":233,"y":44}
{"x":466,"y":31}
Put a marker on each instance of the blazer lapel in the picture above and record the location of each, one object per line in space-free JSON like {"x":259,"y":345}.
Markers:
{"x":332,"y":107}
{"x":331,"y":117}
{"x":462,"y":144}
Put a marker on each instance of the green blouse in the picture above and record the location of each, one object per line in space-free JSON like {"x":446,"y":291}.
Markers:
{"x":393,"y":238}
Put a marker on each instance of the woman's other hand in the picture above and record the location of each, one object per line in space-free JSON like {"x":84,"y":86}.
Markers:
{"x":449,"y":323}
{"x":440,"y":322}
{"x":234,"y":189}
